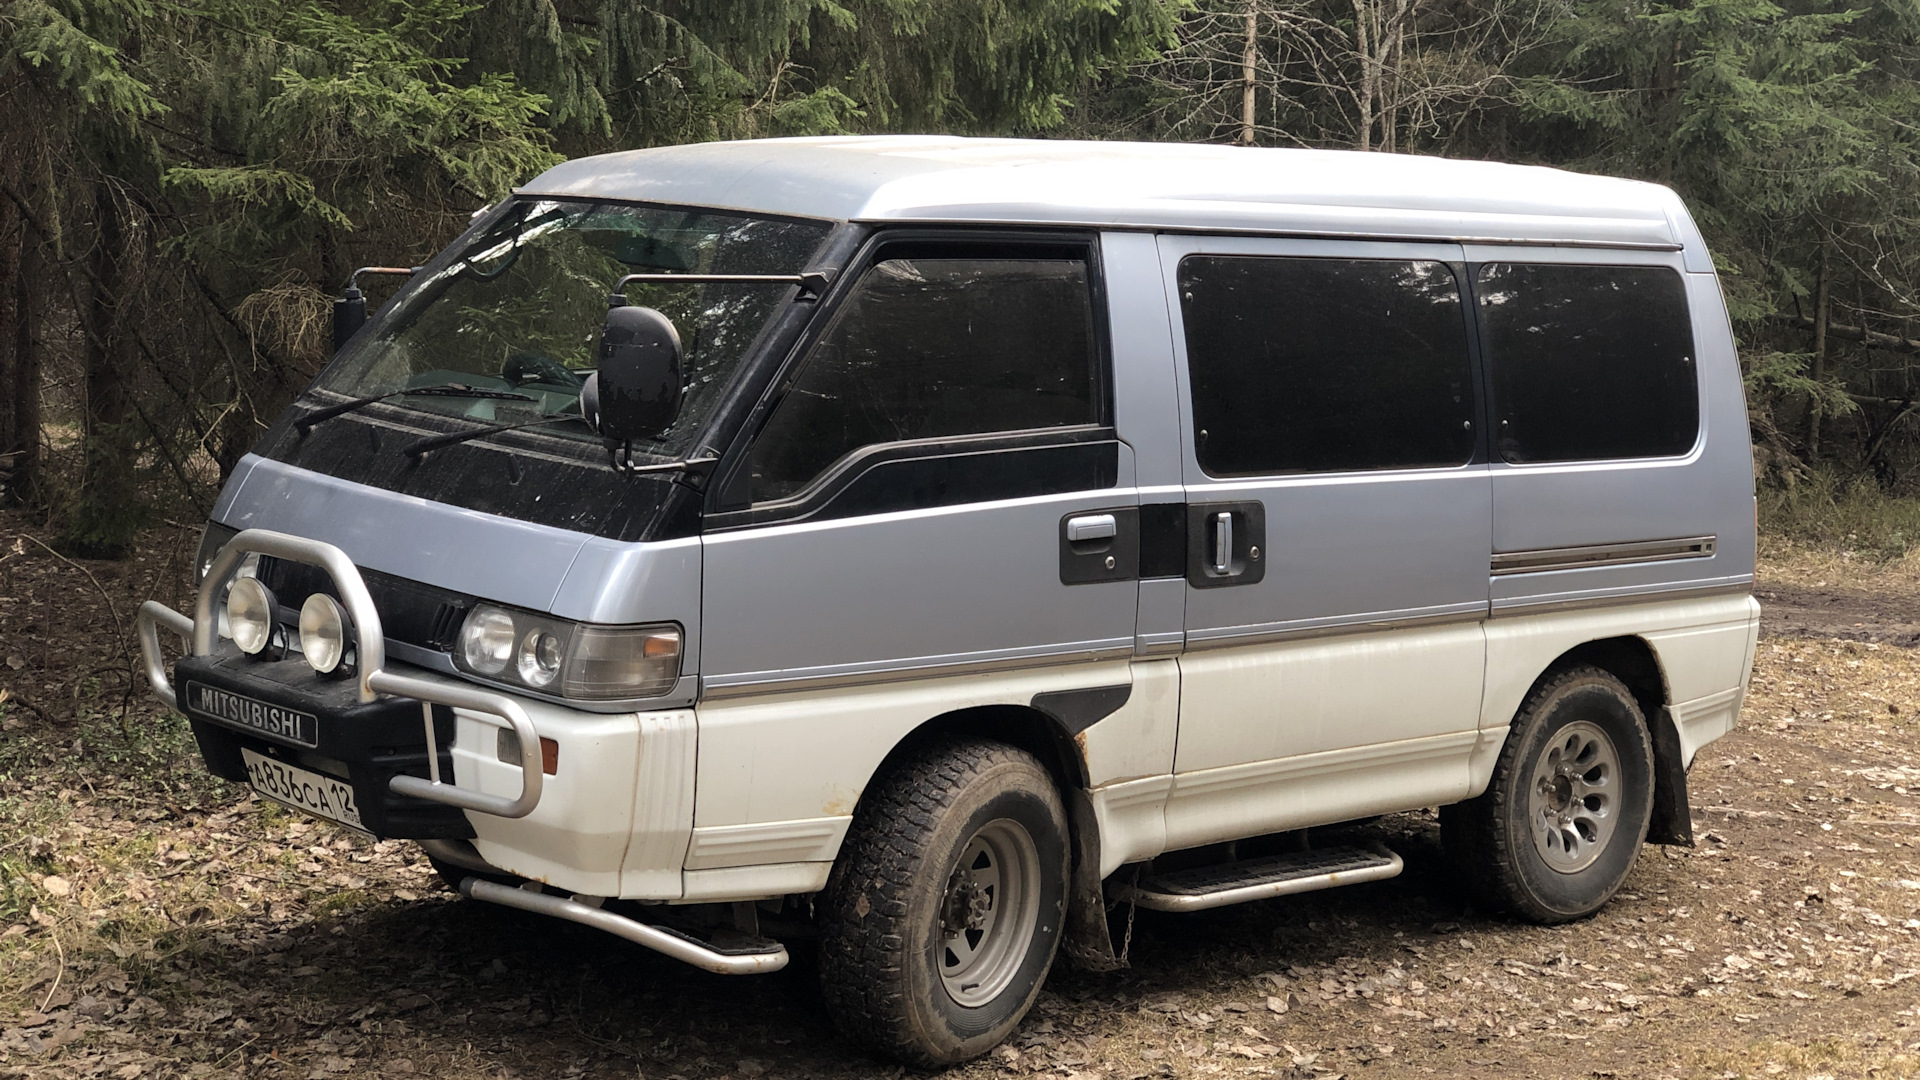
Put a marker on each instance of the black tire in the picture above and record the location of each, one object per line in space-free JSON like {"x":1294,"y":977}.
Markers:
{"x":899,"y":903}
{"x":1534,"y":845}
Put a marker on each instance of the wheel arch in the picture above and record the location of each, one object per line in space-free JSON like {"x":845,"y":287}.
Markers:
{"x":1020,"y":726}
{"x":1633,"y":661}
{"x":1087,"y":942}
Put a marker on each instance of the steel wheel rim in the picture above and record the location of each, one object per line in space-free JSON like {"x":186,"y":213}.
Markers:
{"x":988,"y":913}
{"x":1573,"y":804}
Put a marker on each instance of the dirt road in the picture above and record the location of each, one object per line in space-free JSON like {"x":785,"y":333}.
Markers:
{"x":154,"y":922}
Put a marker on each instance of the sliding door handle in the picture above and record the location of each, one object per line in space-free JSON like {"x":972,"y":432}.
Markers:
{"x":1225,"y":542}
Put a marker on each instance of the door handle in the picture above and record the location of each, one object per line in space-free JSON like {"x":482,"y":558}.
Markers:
{"x":1092,"y":527}
{"x":1100,"y":546}
{"x":1225,"y":542}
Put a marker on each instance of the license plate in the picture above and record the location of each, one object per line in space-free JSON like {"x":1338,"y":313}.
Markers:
{"x":321,"y":796}
{"x":276,"y":722}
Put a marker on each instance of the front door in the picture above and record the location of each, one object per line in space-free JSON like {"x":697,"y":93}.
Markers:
{"x":1338,"y":532}
{"x":938,"y":491}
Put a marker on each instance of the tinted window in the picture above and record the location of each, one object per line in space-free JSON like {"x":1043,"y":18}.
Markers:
{"x":1325,"y":365}
{"x":1589,"y":361}
{"x":932,"y":348}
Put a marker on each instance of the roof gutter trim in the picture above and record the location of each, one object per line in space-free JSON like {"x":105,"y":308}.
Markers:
{"x":1298,"y":234}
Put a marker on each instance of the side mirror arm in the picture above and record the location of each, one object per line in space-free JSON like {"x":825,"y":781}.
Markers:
{"x":350,"y":311}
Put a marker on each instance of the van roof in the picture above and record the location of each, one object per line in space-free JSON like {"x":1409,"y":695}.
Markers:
{"x":1174,"y":186}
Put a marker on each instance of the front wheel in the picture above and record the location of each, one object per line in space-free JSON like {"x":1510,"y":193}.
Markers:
{"x":1560,"y":825}
{"x":944,"y":912}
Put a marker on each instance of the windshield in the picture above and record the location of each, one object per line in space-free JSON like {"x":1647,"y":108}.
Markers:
{"x":520,"y":310}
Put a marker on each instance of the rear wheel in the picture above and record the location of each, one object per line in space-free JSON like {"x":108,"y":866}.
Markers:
{"x":1560,"y":825}
{"x":944,"y":912}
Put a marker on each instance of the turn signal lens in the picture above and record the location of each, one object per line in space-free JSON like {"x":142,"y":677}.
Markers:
{"x":251,"y":611}
{"x":486,"y":641}
{"x":623,"y":662}
{"x":323,"y":633}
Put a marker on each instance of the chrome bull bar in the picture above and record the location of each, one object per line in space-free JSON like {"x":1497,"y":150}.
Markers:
{"x":202,"y":632}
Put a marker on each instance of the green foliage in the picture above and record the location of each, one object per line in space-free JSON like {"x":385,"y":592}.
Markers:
{"x":1786,"y":374}
{"x":266,"y":149}
{"x":66,"y":44}
{"x":261,"y":151}
{"x":1841,"y":512}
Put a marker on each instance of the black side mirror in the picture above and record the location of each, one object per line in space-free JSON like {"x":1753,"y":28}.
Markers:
{"x":635,"y":394}
{"x":349,"y":315}
{"x":350,"y":311}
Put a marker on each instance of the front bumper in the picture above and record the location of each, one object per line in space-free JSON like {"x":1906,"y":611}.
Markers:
{"x":399,"y":738}
{"x":366,"y":719}
{"x":366,"y":744}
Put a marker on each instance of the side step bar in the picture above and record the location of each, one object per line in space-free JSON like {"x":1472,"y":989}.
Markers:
{"x":659,"y":939}
{"x":1258,"y":879}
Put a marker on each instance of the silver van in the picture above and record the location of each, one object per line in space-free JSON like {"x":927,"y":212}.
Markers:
{"x":930,"y":546}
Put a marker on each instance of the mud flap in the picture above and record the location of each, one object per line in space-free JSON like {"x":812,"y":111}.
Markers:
{"x":1672,"y":815}
{"x":1088,"y":942}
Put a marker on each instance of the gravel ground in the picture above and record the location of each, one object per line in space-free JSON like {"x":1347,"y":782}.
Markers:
{"x":156,"y":922}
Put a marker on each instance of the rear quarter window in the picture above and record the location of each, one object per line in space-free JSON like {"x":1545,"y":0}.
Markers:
{"x":1325,"y":365}
{"x":1589,"y":362}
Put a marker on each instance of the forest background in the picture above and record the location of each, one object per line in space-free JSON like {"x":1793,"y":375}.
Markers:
{"x":184,"y":184}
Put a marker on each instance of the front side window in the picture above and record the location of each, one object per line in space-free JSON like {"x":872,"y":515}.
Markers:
{"x":520,"y":309}
{"x":936,"y":347}
{"x":1325,"y":365}
{"x":1589,"y":362}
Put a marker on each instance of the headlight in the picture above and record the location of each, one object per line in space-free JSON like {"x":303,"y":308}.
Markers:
{"x":251,"y":614}
{"x":587,"y":663}
{"x":486,"y":641}
{"x":323,"y":633}
{"x":541,"y":653}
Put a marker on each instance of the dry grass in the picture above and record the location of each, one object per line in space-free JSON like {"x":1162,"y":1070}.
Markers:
{"x":1813,"y":565}
{"x":1844,"y":514}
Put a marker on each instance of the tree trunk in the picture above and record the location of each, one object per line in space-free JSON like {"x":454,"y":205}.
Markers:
{"x":1822,"y":308}
{"x":1390,"y":78}
{"x":1247,"y":72}
{"x":109,"y":508}
{"x":1368,"y":75}
{"x":10,"y":227}
{"x":25,"y":487}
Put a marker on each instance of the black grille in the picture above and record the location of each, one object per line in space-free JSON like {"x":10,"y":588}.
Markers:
{"x":446,"y":623}
{"x":410,"y":612}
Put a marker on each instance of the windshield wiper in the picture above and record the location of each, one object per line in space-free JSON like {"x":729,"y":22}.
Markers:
{"x":460,"y":390}
{"x":420,"y":448}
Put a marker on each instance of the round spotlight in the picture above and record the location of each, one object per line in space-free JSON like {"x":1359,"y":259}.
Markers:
{"x":323,"y":632}
{"x":541,"y":653}
{"x":486,"y":641}
{"x":251,"y":612}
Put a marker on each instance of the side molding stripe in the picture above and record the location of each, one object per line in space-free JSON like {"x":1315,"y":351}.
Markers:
{"x":1541,"y":560}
